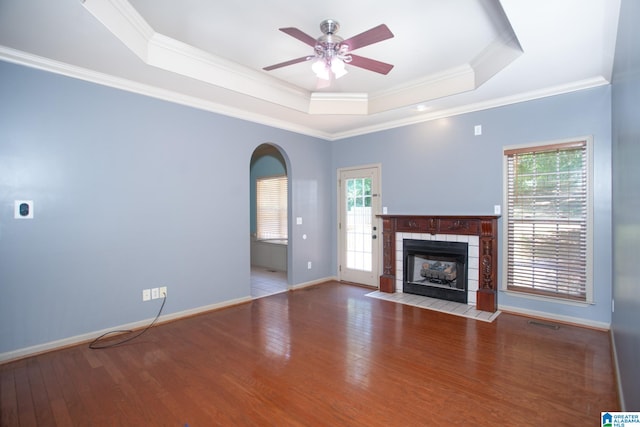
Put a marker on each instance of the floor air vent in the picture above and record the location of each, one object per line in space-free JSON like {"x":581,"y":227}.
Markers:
{"x":544,"y":324}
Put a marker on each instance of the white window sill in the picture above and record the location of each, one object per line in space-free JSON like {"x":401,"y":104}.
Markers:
{"x":548,"y":299}
{"x":283,"y":242}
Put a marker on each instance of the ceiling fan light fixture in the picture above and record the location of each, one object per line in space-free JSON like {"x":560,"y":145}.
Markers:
{"x":321,"y":69}
{"x":337,"y":67}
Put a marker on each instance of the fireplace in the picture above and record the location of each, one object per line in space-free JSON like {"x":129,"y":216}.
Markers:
{"x":436,"y":269}
{"x":479,"y":232}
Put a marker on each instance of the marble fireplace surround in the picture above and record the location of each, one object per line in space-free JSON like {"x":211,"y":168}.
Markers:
{"x":480,"y":232}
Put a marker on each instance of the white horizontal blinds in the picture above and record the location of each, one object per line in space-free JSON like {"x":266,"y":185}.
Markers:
{"x":271,"y":206}
{"x":547,"y":220}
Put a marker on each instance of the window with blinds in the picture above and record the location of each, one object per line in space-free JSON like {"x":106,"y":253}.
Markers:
{"x":548,"y":220}
{"x":271,"y":207}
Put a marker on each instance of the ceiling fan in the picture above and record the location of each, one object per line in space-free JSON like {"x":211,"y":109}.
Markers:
{"x":332,"y":52}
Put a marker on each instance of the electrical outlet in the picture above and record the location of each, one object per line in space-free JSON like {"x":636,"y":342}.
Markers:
{"x":23,"y":209}
{"x":155,"y":293}
{"x":163,"y":291}
{"x":309,"y":265}
{"x":146,"y":294}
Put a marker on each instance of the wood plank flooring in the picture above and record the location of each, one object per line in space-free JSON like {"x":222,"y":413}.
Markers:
{"x":327,"y":356}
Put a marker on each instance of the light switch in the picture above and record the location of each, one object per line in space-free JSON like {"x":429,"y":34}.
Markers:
{"x":299,"y":220}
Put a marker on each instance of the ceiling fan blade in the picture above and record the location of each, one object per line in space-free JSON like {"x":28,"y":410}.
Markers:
{"x":374,"y":35}
{"x":286,"y":63}
{"x":370,"y":64}
{"x":296,"y":33}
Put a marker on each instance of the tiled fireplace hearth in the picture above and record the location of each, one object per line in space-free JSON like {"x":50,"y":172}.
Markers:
{"x":479,"y":232}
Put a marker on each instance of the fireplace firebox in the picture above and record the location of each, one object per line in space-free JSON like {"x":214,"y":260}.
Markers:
{"x":436,"y":269}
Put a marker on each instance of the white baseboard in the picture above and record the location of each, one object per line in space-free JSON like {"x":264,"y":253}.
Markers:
{"x":623,"y":407}
{"x":78,"y":339}
{"x":558,"y":317}
{"x":313,"y":282}
{"x":89,"y":336}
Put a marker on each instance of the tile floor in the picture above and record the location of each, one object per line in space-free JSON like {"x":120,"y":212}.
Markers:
{"x":265,"y":282}
{"x":455,"y":308}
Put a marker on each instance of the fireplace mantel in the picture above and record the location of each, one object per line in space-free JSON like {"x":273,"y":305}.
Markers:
{"x":485,"y":227}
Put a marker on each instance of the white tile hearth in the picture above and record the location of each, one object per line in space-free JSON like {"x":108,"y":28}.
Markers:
{"x":450,"y":307}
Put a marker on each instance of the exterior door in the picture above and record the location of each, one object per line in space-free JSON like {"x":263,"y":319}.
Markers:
{"x":359,"y":233}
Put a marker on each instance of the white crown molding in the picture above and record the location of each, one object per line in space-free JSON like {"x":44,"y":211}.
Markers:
{"x":495,"y":57}
{"x":479,"y":106}
{"x":158,"y":50}
{"x":449,"y":82}
{"x":339,"y":103}
{"x":121,"y":19}
{"x":504,"y":49}
{"x":45,"y":64}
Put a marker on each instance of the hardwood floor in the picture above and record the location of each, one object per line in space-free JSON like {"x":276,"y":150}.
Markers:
{"x":324,"y":355}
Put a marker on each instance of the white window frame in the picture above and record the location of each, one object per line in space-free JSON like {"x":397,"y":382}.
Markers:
{"x":589,"y":230}
{"x":281,"y":236}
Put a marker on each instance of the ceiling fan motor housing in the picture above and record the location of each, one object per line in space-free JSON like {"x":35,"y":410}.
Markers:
{"x":329,"y":26}
{"x":329,"y":44}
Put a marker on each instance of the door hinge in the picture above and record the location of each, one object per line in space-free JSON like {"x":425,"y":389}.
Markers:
{"x":340,"y":268}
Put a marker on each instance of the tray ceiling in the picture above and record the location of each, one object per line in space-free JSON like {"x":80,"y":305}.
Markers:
{"x":449,"y":57}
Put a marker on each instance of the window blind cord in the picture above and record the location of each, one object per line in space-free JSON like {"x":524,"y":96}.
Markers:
{"x":94,"y":345}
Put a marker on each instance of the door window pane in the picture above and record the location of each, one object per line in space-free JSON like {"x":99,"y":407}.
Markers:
{"x":358,"y":232}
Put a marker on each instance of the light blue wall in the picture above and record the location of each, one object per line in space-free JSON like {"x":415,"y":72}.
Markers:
{"x":626,"y":202}
{"x":440,"y":167}
{"x":131,"y":193}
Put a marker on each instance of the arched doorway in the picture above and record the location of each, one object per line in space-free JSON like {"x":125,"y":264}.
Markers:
{"x":269,"y":226}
